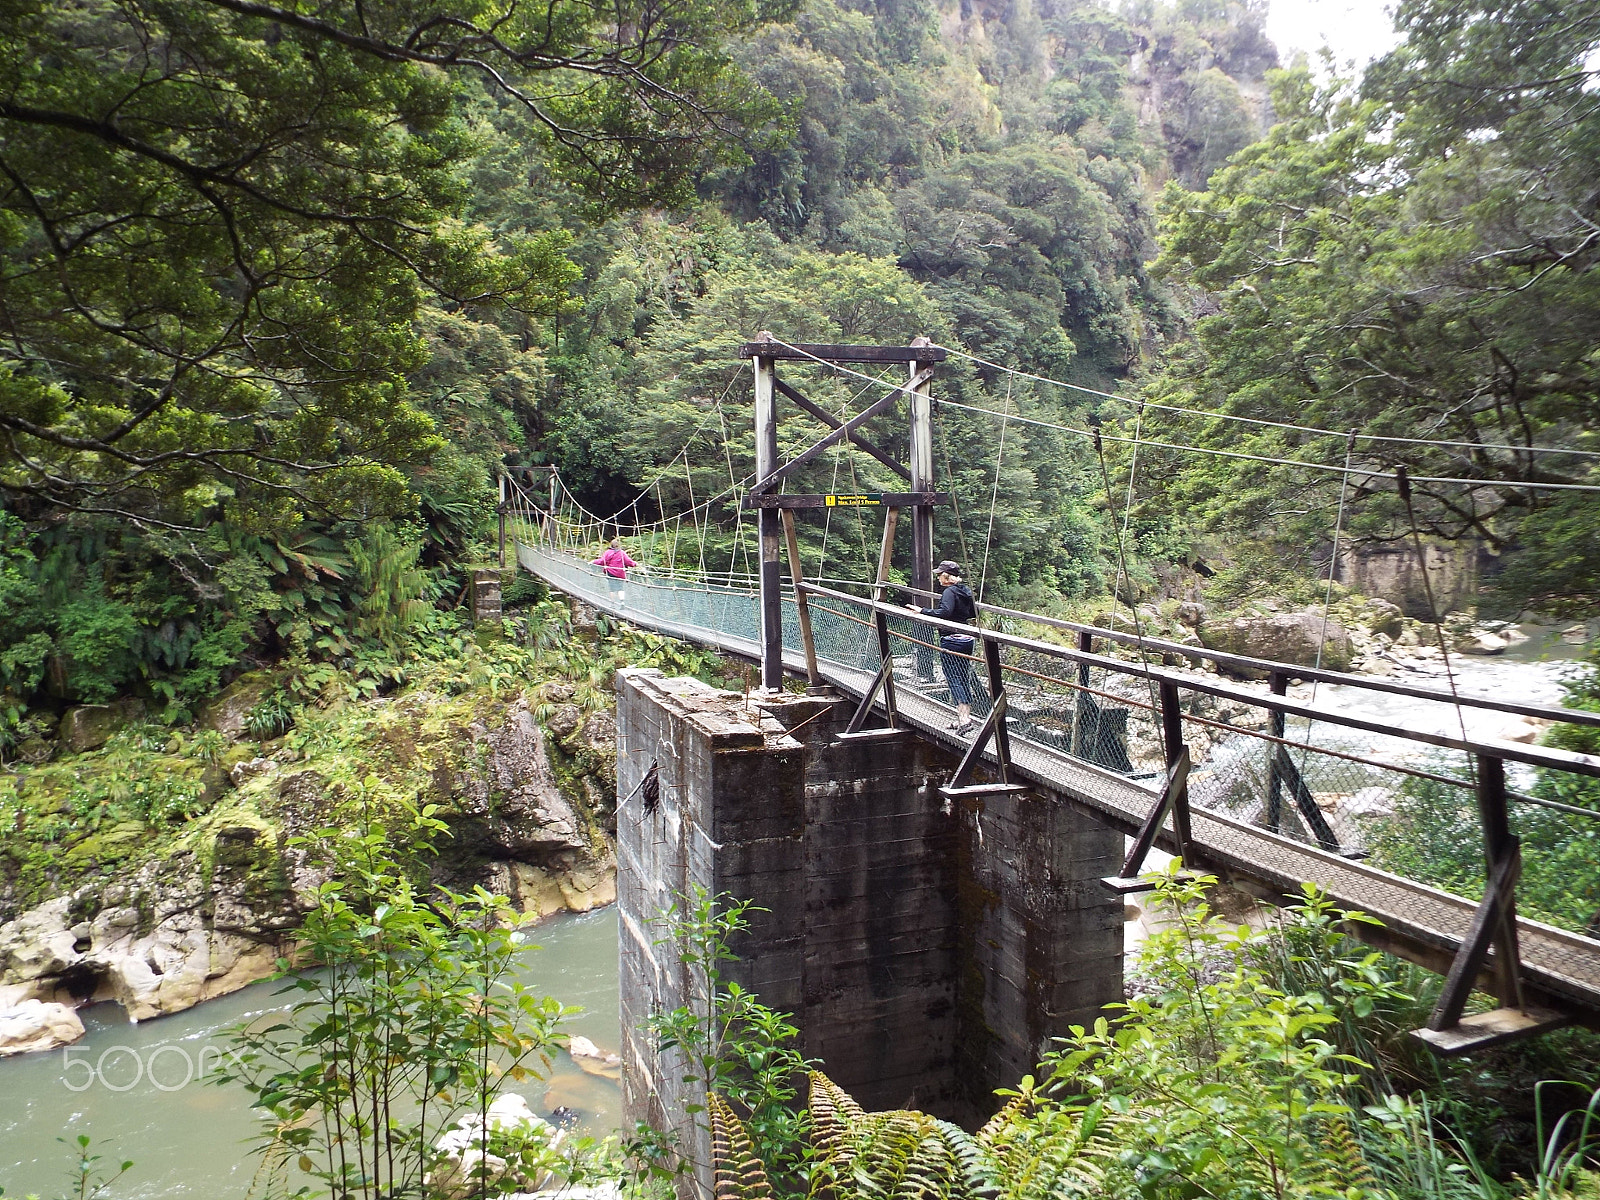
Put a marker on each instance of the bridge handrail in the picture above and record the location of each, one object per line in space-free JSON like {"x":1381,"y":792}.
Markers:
{"x":1538,"y":756}
{"x":1544,"y":712}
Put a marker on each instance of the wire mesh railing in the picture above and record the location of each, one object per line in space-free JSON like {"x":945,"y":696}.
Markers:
{"x":1412,"y":813}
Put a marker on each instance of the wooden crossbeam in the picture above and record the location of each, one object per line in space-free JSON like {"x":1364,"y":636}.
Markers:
{"x":841,"y":433}
{"x":833,"y":422}
{"x":836,"y":353}
{"x":846,"y":500}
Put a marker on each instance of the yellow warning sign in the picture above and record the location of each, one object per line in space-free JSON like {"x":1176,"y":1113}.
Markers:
{"x":860,"y":501}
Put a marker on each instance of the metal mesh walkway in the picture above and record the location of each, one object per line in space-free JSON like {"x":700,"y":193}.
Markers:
{"x":1092,"y":736}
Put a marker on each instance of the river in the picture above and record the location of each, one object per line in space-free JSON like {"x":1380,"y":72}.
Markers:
{"x":133,"y":1088}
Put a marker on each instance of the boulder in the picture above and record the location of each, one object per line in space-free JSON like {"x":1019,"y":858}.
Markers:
{"x":34,"y":1025}
{"x":1575,"y":635}
{"x":513,"y":806}
{"x":1479,"y":641}
{"x":1283,"y":637}
{"x":1383,"y":617}
{"x":226,"y":712}
{"x":90,"y":726}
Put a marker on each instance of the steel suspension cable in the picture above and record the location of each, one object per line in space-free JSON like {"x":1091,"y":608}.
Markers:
{"x":1311,"y":429}
{"x":994,"y":495}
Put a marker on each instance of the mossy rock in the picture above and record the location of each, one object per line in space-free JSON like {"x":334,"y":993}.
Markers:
{"x":228,"y":710}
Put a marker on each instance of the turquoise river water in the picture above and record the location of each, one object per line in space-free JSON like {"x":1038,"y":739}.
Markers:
{"x":134,"y":1088}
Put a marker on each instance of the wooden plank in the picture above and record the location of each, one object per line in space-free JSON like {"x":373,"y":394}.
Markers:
{"x":845,"y":354}
{"x":802,"y":605}
{"x":833,"y":422}
{"x":1493,"y":1028}
{"x":846,"y":500}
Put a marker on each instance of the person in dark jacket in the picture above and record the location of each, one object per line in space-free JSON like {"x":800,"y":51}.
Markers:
{"x":955,"y":649}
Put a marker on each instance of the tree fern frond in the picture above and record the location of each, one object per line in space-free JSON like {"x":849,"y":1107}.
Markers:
{"x":1034,"y":1150}
{"x":739,"y":1173}
{"x":898,"y":1155}
{"x":834,"y":1113}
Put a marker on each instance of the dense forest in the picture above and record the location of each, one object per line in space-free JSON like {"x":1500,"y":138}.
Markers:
{"x":286,"y":287}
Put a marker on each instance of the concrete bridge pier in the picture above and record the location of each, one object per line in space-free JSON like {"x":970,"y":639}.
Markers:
{"x":928,"y":941}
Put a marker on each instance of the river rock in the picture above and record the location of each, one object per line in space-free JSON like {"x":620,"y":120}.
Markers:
{"x":228,"y":710}
{"x":1526,"y":730}
{"x":1282,"y":637}
{"x":34,"y":1025}
{"x":1383,"y":617}
{"x":90,"y":726}
{"x":1575,"y":635}
{"x":1481,"y":641}
{"x":178,"y":931}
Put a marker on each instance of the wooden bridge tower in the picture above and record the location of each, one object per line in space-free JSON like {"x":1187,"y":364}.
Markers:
{"x":775,"y":517}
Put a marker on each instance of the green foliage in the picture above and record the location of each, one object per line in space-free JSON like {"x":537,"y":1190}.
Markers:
{"x":1423,"y":839}
{"x":734,"y":1047}
{"x":407,"y":1016}
{"x":1415,"y":258}
{"x":220,"y":225}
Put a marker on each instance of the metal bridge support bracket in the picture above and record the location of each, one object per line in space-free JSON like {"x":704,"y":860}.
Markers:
{"x":1174,"y":795}
{"x":1493,"y":924}
{"x":994,"y":726}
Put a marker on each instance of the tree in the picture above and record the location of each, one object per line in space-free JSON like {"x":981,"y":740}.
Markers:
{"x":218,"y":220}
{"x":1418,"y":263}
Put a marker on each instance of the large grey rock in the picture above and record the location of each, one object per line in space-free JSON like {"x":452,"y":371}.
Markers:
{"x":510,"y":793}
{"x":227,"y":711}
{"x":90,"y":726}
{"x":1292,"y":638}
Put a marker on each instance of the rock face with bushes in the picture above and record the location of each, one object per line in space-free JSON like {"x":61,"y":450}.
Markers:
{"x":164,"y":869}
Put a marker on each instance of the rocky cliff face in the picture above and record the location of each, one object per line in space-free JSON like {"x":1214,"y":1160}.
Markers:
{"x":211,"y":905}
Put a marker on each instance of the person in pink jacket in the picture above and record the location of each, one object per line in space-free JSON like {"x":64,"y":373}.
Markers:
{"x":614,"y":561}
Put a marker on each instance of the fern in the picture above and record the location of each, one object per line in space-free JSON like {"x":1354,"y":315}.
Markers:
{"x":739,"y":1173}
{"x":1038,"y":1149}
{"x":899,"y":1155}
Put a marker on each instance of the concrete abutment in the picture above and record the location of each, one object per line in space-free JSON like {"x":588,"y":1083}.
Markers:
{"x":928,"y":945}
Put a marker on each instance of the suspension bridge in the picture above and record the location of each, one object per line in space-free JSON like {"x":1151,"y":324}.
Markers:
{"x":1150,"y":737}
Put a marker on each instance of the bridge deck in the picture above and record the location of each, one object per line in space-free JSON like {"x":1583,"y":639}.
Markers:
{"x":1419,"y":922}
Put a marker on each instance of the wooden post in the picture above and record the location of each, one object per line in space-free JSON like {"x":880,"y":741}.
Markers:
{"x":553,"y":482}
{"x":500,"y":510}
{"x":1278,"y":682}
{"x":1086,"y":644}
{"x":767,"y":526}
{"x":997,"y":698}
{"x":921,"y":456}
{"x":891,"y":522}
{"x":1172,"y":743}
{"x":1498,"y":847}
{"x":801,"y":604}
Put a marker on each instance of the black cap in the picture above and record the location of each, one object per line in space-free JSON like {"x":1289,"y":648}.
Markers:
{"x":948,"y":568}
